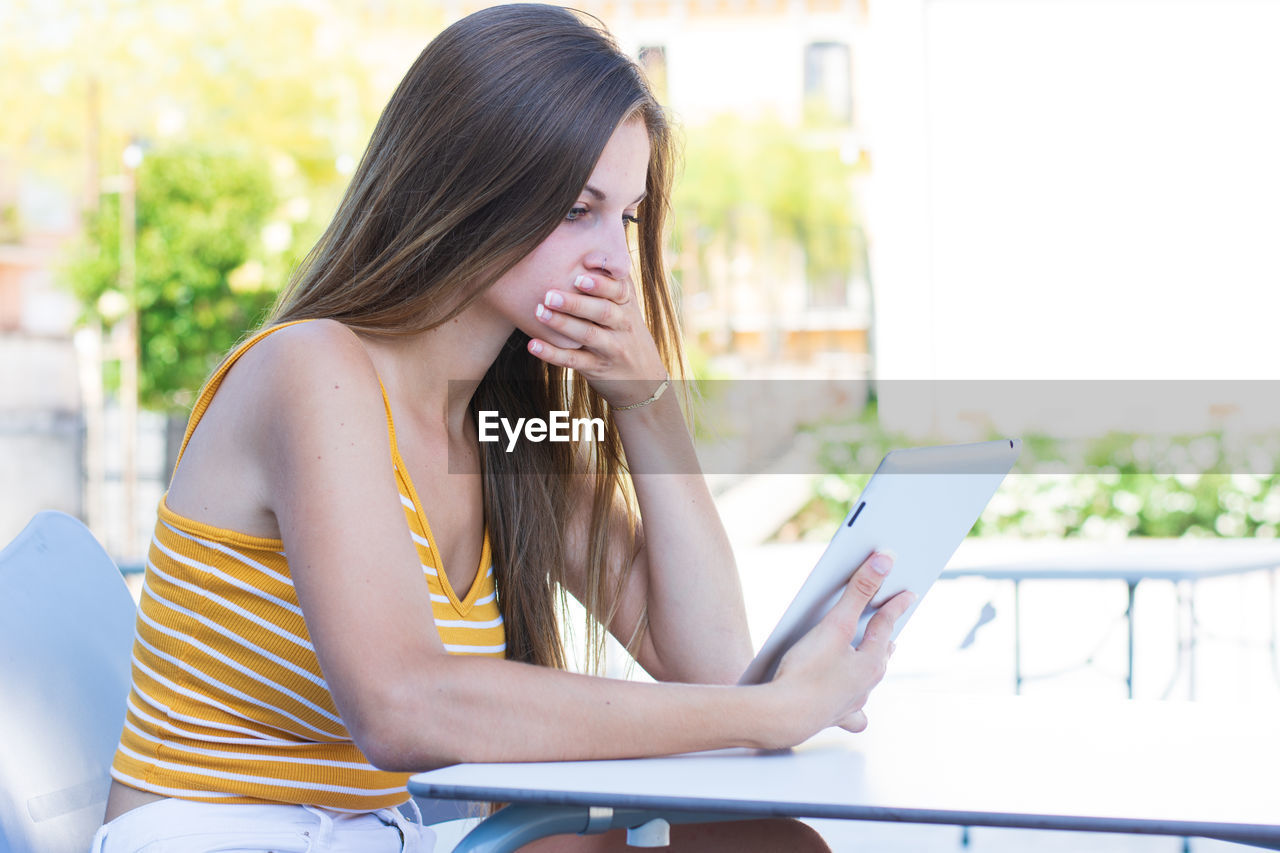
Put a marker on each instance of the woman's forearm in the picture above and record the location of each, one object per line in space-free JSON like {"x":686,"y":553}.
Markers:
{"x":443,"y":709}
{"x":697,"y":619}
{"x":484,"y":710}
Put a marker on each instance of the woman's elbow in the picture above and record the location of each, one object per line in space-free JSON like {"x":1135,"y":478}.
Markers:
{"x":394,"y":733}
{"x":400,"y":756}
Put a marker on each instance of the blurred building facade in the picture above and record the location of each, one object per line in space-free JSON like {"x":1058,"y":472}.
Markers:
{"x":797,"y":61}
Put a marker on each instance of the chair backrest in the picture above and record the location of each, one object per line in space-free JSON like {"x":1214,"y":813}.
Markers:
{"x":66,"y":636}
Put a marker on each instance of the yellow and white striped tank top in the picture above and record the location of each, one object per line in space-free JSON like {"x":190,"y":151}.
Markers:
{"x":228,"y":703}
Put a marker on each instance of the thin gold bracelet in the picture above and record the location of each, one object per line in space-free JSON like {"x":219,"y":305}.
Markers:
{"x":656,"y":394}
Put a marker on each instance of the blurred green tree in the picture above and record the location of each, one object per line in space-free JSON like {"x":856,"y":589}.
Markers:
{"x":201,"y":275}
{"x":765,"y":187}
{"x":293,"y":86}
{"x":288,"y":77}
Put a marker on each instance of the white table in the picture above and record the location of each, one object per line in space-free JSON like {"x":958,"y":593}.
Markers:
{"x":1166,"y":768}
{"x":1179,"y":561}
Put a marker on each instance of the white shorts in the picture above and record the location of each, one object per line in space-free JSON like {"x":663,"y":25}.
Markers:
{"x":183,"y":826}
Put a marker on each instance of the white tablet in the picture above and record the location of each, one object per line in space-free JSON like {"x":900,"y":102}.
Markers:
{"x":919,"y":506}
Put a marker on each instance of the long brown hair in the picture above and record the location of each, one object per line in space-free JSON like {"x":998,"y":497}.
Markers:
{"x":481,"y":151}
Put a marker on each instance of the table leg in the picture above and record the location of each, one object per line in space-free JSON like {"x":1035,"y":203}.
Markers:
{"x":1017,"y":637}
{"x":1179,"y":627}
{"x":516,"y":825}
{"x":1187,"y":646}
{"x":1128,"y":614}
{"x":519,"y":824}
{"x":1191,"y":641}
{"x":1275,"y":643}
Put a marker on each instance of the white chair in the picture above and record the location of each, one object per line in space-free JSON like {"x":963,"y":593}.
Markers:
{"x":66,"y":636}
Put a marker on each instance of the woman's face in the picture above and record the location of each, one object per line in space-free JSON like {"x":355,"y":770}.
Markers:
{"x":590,"y":240}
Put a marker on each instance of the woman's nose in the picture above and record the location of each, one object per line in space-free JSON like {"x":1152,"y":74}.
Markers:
{"x":613,"y":256}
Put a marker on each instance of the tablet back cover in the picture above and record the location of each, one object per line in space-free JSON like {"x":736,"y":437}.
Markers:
{"x":919,"y":505}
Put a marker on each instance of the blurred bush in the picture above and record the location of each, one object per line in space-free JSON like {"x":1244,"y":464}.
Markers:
{"x":1112,"y":486}
{"x":251,"y":115}
{"x":201,"y":277}
{"x":758,"y":188}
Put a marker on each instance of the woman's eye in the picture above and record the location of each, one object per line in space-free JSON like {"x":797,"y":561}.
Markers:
{"x":630,"y":219}
{"x":575,"y":213}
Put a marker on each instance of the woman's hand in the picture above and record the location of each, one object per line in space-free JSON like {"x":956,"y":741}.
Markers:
{"x":618,"y":356}
{"x":827,"y":677}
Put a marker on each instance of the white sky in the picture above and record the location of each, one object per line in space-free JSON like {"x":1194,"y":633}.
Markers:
{"x":1075,"y":189}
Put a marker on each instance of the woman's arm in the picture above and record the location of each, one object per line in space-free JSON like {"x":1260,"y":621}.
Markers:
{"x":683,"y":576}
{"x":696,"y":614}
{"x":407,"y":704}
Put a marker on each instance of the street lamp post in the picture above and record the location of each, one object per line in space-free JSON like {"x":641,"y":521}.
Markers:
{"x":119,"y":311}
{"x":129,"y":354}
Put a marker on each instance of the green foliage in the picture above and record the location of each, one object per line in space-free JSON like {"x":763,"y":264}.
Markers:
{"x":288,"y":81}
{"x":282,"y":75}
{"x":1117,"y":485}
{"x":200,"y":214}
{"x":1135,"y":504}
{"x":761,"y":183}
{"x":1140,"y":485}
{"x":10,"y":226}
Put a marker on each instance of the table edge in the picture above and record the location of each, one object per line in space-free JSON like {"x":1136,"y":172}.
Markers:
{"x":1244,"y":833}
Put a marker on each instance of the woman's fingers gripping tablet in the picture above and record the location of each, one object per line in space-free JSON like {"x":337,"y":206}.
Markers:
{"x":858,"y":593}
{"x":843,"y":676}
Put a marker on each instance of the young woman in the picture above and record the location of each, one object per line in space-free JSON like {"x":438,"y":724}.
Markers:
{"x":306,"y":637}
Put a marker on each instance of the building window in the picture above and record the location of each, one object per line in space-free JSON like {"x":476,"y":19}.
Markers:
{"x":827,"y":290}
{"x":828,"y":83}
{"x":653,"y":59}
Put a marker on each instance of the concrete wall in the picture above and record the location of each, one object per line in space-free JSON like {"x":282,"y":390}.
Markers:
{"x":40,"y":429}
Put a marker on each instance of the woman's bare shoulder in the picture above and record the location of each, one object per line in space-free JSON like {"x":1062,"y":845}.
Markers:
{"x":290,"y":365}
{"x":292,"y":386}
{"x":303,"y":376}
{"x":303,"y":349}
